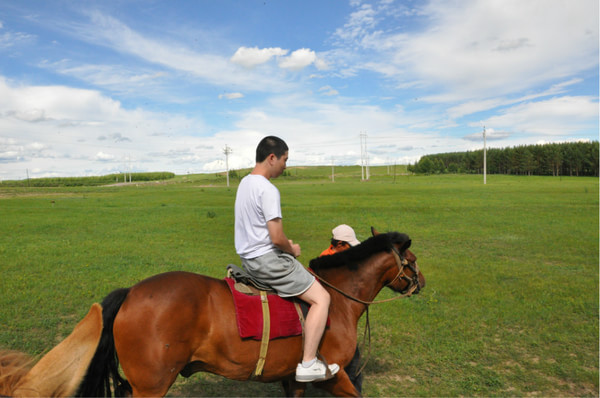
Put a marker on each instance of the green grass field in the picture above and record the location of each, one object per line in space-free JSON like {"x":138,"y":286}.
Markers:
{"x":510,"y":307}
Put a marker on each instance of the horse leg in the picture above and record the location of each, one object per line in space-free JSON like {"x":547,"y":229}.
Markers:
{"x":293,"y":388}
{"x":339,"y":386}
{"x":151,"y":355}
{"x":148,"y":367}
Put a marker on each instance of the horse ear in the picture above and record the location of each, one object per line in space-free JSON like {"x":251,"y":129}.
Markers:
{"x":405,"y":246}
{"x":374,"y":231}
{"x":60,"y":371}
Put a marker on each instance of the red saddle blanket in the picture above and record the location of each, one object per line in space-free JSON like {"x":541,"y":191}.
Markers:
{"x":285,"y":320}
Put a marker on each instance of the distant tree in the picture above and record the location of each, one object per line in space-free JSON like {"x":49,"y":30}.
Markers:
{"x":555,"y":157}
{"x":576,"y":158}
{"x":592,"y":159}
{"x":425,"y":165}
{"x":438,"y":166}
{"x":527,"y":161}
{"x":470,"y":164}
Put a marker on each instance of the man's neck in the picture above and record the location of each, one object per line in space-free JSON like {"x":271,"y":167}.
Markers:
{"x":260,"y":169}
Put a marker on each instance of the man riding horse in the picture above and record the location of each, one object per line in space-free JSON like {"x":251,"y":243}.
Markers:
{"x":270,"y":257}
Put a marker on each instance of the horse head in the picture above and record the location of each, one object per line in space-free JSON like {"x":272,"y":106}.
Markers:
{"x":383,"y":259}
{"x":408,"y":278}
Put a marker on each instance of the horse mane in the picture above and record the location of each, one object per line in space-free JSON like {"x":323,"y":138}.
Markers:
{"x":356,"y":255}
{"x":14,"y":365}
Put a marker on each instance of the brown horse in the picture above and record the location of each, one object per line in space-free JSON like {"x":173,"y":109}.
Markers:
{"x":60,"y":371}
{"x":182,"y":323}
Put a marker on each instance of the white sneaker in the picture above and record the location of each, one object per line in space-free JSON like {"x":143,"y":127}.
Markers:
{"x":316,"y":372}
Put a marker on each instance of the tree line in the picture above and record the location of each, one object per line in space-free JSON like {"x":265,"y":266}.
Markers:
{"x":564,"y":159}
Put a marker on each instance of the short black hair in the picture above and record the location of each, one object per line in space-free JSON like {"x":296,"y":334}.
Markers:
{"x":270,"y":145}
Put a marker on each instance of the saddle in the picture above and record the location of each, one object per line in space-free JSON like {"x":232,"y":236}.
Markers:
{"x":245,"y":283}
{"x":261,"y":314}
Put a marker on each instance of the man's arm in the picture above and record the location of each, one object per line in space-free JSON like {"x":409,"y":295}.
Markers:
{"x":275,"y":227}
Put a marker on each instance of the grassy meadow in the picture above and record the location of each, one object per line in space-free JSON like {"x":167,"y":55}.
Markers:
{"x":511,"y":302}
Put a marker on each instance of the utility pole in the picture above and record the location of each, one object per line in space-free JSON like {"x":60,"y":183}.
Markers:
{"x":129,"y":166}
{"x":484,"y":158}
{"x":227,"y":151}
{"x":332,"y":172}
{"x":364,"y":157}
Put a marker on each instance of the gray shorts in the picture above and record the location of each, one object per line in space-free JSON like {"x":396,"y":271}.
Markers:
{"x":286,"y":275}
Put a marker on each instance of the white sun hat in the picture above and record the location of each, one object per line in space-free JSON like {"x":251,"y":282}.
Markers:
{"x":345,"y":233}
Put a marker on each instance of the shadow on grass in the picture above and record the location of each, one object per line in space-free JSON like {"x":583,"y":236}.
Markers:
{"x":209,"y":385}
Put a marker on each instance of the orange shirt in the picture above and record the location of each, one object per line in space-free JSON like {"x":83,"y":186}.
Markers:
{"x":329,"y":251}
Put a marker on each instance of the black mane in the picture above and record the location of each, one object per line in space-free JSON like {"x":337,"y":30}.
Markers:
{"x":358,"y":254}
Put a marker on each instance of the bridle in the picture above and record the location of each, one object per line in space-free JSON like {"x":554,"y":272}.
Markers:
{"x":412,"y":285}
{"x":402,"y":263}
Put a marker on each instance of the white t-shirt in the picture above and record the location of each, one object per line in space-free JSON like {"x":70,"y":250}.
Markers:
{"x":257,"y":201}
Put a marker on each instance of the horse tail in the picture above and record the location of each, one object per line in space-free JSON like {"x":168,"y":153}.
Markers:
{"x":105,"y":364}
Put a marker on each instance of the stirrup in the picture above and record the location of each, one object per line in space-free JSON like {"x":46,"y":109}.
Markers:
{"x":328,"y":374}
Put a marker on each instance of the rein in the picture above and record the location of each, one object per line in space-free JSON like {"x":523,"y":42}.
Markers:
{"x":413,"y":283}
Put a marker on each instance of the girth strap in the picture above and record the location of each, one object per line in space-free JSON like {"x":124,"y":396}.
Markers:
{"x":264,"y":344}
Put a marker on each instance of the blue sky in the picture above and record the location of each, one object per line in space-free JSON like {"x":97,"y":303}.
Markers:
{"x":96,"y":87}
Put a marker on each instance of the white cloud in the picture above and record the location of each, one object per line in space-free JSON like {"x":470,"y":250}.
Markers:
{"x":298,"y":60}
{"x":555,"y":116}
{"x":503,"y":46}
{"x":116,"y":77}
{"x":212,"y":68}
{"x":359,"y":23}
{"x":471,"y":107}
{"x":490,"y":135}
{"x":59,"y":103}
{"x":104,"y":157}
{"x":28,"y":115}
{"x":10,"y":39}
{"x":82,"y":126}
{"x":479,"y":48}
{"x":37,"y":146}
{"x":116,"y":137}
{"x":321,"y":64}
{"x":328,"y":90}
{"x":9,"y":156}
{"x":231,"y":96}
{"x":251,"y":57}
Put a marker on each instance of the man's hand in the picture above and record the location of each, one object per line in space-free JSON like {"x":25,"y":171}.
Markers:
{"x":296,"y":251}
{"x":279,"y":239}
